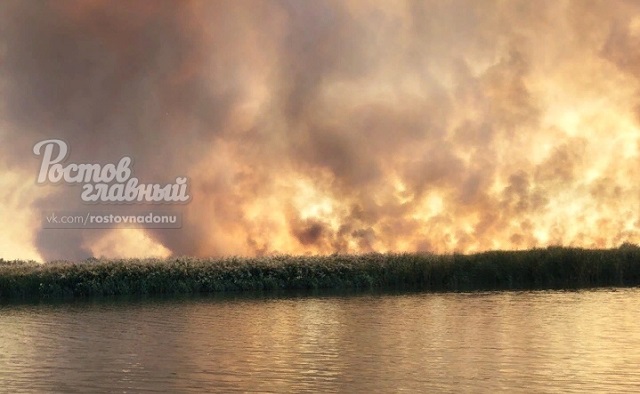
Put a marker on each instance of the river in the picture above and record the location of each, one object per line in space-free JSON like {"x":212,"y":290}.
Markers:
{"x":471,"y":342}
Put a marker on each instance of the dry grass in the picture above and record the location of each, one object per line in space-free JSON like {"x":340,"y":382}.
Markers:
{"x":552,"y":267}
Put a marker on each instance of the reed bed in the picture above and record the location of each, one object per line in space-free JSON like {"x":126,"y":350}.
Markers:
{"x":549,"y":268}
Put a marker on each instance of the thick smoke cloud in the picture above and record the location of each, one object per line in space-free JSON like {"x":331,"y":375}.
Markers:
{"x":331,"y":126}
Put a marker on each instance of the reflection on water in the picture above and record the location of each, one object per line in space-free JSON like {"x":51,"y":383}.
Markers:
{"x":531,"y":341}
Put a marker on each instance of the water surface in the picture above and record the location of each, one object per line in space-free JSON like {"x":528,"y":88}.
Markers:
{"x":487,"y":342}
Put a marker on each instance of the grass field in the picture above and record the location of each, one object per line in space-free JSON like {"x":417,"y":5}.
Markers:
{"x":550,"y":268}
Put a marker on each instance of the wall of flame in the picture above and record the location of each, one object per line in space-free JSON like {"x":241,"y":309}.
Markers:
{"x":329,"y":126}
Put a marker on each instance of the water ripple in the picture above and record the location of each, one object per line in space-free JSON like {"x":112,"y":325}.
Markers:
{"x":516,"y":342}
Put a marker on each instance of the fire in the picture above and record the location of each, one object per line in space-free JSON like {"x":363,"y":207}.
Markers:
{"x":315,"y":128}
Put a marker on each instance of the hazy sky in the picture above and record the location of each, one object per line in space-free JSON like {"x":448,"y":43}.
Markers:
{"x":328,"y":126}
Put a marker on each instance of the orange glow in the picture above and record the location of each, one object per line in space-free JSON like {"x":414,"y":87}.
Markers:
{"x":346,"y":127}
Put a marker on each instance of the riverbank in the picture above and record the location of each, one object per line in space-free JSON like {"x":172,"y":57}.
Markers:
{"x":550,"y":268}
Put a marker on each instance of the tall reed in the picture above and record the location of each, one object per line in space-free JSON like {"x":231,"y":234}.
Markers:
{"x":553,"y":267}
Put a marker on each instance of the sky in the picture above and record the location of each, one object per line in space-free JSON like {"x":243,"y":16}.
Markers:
{"x":319,"y":127}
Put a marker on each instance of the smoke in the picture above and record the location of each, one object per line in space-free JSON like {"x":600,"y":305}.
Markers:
{"x":329,"y":126}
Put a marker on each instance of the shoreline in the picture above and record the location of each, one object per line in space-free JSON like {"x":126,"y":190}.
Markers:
{"x":550,"y":268}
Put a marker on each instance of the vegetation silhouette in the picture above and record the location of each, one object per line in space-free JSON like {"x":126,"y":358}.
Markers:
{"x":548,"y":268}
